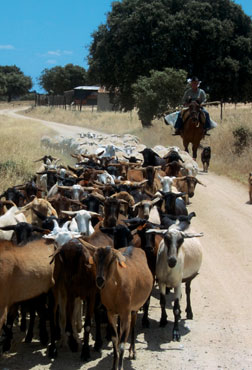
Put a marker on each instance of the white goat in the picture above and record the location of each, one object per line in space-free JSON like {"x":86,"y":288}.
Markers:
{"x":82,"y":221}
{"x":10,"y":218}
{"x":61,"y":235}
{"x":178,"y":260}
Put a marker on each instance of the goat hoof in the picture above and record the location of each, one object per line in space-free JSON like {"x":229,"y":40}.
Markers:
{"x":23,"y":326}
{"x":98,"y":346}
{"x":85,"y":354}
{"x":145,"y":323}
{"x":189,"y":315}
{"x":28,"y":338}
{"x":43,"y":337}
{"x":6,"y":345}
{"x":73,"y":344}
{"x":176,"y":336}
{"x":163,"y":323}
{"x":52,"y":351}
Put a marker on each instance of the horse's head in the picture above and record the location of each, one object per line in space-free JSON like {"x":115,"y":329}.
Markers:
{"x":194,"y":110}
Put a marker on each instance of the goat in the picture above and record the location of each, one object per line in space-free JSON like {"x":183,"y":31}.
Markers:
{"x":14,"y":195}
{"x":25,"y":273}
{"x":39,"y":204}
{"x":187,"y":185}
{"x":178,"y":260}
{"x":5,"y":205}
{"x":10,"y":218}
{"x":205,"y":158}
{"x":151,"y":158}
{"x":76,"y":278}
{"x":23,"y":231}
{"x":170,"y":203}
{"x":83,"y":221}
{"x":125,"y":283}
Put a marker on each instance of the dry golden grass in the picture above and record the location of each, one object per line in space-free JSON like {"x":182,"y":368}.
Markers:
{"x":19,"y":147}
{"x":22,"y":147}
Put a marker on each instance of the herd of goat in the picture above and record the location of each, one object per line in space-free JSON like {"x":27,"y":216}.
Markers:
{"x":97,"y":235}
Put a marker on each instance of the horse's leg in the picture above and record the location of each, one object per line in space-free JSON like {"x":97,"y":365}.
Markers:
{"x":194,"y":150}
{"x":186,"y":143}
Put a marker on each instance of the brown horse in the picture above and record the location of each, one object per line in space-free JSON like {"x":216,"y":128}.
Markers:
{"x":193,"y":128}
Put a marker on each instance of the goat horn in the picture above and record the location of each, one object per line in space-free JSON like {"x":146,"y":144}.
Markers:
{"x":8,"y":202}
{"x":200,"y":183}
{"x":63,"y":187}
{"x":191,"y":235}
{"x":38,"y":160}
{"x":157,"y":231}
{"x":70,"y":213}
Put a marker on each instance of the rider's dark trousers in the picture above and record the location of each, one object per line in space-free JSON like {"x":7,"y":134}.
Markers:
{"x":179,"y":123}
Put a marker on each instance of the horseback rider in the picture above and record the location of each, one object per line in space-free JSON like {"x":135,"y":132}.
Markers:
{"x":194,"y":93}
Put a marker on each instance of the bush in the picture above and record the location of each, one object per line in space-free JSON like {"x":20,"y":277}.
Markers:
{"x":243,"y":138}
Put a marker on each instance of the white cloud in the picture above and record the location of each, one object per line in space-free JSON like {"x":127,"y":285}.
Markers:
{"x":6,"y":47}
{"x":67,"y":52}
{"x":56,"y":53}
{"x":51,"y":61}
{"x":59,"y":53}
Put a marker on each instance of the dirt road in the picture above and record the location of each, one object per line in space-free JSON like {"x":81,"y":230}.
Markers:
{"x":220,"y":336}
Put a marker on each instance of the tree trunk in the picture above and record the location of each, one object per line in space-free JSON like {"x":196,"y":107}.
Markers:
{"x":146,"y":123}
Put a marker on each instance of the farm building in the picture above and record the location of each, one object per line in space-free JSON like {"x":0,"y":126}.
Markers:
{"x":80,"y":96}
{"x":90,"y":96}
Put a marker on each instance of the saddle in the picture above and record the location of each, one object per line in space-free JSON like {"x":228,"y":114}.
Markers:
{"x":185,"y":114}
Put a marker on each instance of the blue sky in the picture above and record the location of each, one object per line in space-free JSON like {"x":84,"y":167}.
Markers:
{"x":39,"y":34}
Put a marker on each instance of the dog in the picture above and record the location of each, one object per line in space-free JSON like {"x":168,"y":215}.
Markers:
{"x":205,"y":158}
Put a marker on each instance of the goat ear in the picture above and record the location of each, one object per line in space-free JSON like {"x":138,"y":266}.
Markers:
{"x":122,"y":264}
{"x":120,"y":258}
{"x":91,"y":260}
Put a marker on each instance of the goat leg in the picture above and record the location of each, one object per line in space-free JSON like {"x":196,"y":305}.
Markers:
{"x":189,"y":313}
{"x":114,"y":337}
{"x":132,"y":350}
{"x":176,"y":312}
{"x":29,"y":334}
{"x":52,"y":350}
{"x":85,"y":352}
{"x":125,"y":324}
{"x":145,"y":320}
{"x":163,"y":320}
{"x":7,"y":328}
{"x":98,"y":338}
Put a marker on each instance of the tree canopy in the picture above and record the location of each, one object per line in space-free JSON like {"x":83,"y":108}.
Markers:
{"x":59,"y":79}
{"x":159,"y":93}
{"x":210,"y":39}
{"x":13,"y":82}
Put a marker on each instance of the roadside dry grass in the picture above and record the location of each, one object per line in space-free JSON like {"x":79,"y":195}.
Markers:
{"x":19,"y":147}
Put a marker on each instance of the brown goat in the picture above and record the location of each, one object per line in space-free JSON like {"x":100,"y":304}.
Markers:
{"x":24,"y":273}
{"x":76,"y":278}
{"x":42,"y":206}
{"x":126,"y":282}
{"x":187,"y":184}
